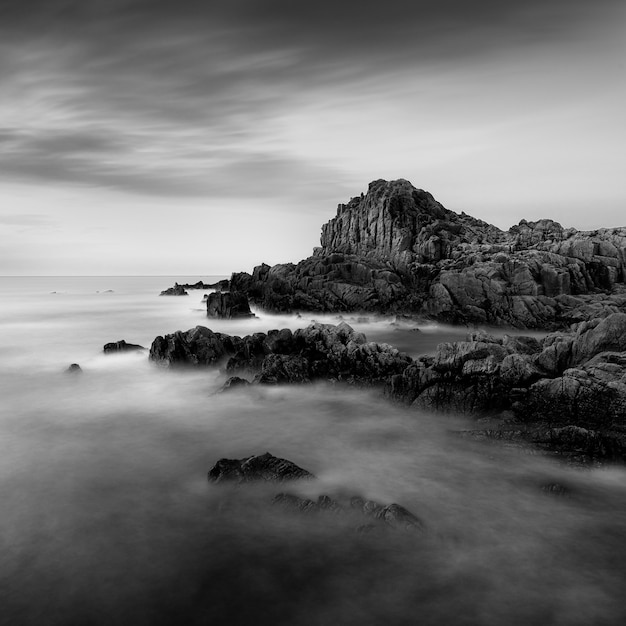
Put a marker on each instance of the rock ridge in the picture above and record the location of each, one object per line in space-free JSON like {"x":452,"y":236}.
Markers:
{"x":396,"y":249}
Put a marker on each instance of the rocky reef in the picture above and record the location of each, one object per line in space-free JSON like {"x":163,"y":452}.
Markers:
{"x":396,"y":249}
{"x":317,"y":352}
{"x":564,"y":391}
{"x":266,"y":468}
{"x":228,"y":305}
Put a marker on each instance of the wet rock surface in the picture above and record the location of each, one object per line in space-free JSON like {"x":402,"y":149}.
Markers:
{"x":396,"y":249}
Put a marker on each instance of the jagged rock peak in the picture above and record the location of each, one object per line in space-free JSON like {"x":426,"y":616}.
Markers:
{"x":395,"y":220}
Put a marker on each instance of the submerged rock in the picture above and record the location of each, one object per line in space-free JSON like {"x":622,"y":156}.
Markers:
{"x":176,"y":290}
{"x":74,"y":368}
{"x":262,"y":467}
{"x":121,"y":346}
{"x":392,"y":515}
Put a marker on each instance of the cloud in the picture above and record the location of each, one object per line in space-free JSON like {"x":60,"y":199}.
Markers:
{"x":190,"y":98}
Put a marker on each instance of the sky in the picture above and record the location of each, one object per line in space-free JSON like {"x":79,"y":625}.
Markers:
{"x":204,"y":137}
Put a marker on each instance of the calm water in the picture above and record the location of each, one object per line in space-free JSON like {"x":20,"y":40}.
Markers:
{"x":106,"y":516}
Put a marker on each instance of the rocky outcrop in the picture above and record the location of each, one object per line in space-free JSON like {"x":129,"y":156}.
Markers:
{"x":396,"y":249}
{"x":198,"y":346}
{"x":268,"y":468}
{"x":391,"y":515}
{"x":176,"y":290}
{"x":317,"y":352}
{"x":220,"y":285}
{"x":228,"y":305}
{"x":121,"y":346}
{"x":262,"y":467}
{"x":574,"y":380}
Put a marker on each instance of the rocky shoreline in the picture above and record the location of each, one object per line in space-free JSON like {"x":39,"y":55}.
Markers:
{"x":397,"y":250}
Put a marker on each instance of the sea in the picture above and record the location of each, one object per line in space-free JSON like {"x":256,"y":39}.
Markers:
{"x":107,"y":516}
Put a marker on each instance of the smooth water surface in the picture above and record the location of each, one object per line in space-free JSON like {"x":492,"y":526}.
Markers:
{"x":106,"y":516}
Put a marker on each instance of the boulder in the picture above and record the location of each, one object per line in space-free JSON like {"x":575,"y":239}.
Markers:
{"x":121,"y":346}
{"x":263,"y":467}
{"x":228,"y":305}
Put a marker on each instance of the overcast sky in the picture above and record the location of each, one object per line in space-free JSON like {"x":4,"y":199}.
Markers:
{"x":204,"y":137}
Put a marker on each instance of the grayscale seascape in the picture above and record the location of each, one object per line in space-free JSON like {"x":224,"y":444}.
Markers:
{"x":107,"y":515}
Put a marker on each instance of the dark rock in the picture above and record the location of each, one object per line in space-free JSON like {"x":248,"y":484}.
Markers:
{"x":392,"y":515}
{"x":220,"y":285}
{"x":397,"y":250}
{"x":198,"y":346}
{"x":176,"y":290}
{"x":319,"y":351}
{"x":235,"y":382}
{"x":74,"y":368}
{"x":121,"y":346}
{"x":262,"y":467}
{"x":228,"y":305}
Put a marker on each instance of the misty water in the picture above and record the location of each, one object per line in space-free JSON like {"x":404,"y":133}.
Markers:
{"x":107,"y":517}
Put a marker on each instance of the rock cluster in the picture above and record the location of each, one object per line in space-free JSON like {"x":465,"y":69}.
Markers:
{"x":176,"y":290}
{"x":319,"y":351}
{"x":396,"y":249}
{"x":563,"y":379}
{"x":268,"y":468}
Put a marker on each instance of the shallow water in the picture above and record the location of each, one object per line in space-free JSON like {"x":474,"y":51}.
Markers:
{"x":107,"y":516}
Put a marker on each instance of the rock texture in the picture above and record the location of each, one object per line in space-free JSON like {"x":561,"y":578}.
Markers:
{"x":396,"y":249}
{"x":228,"y":305}
{"x":569,"y":387}
{"x":319,"y":351}
{"x":121,"y":346}
{"x":264,"y":467}
{"x":391,"y":515}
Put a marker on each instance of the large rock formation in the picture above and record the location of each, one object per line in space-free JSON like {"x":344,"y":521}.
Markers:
{"x":319,"y":351}
{"x":228,"y":305}
{"x":574,"y":381}
{"x":397,"y":249}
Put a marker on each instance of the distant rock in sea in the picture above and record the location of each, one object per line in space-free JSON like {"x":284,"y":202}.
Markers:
{"x":176,"y":290}
{"x":74,"y":368}
{"x":121,"y":346}
{"x":263,"y":467}
{"x":179,"y":289}
{"x":396,"y":249}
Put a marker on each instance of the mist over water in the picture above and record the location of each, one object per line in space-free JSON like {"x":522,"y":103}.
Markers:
{"x":106,"y":515}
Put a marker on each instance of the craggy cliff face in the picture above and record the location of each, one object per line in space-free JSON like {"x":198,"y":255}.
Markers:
{"x":396,"y":249}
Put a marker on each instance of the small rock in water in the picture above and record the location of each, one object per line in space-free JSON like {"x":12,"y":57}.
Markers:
{"x":74,"y":368}
{"x":233,"y":382}
{"x":121,"y":346}
{"x":260,"y":467}
{"x":176,"y":290}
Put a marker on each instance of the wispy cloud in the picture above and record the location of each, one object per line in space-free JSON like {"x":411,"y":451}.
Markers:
{"x":189,"y":98}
